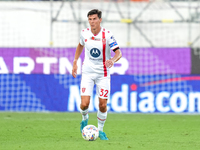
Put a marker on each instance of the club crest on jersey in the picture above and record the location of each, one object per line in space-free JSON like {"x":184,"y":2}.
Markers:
{"x":83,"y":90}
{"x":94,"y":52}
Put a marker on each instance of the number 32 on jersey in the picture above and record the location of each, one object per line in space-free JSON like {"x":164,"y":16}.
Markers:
{"x":104,"y":93}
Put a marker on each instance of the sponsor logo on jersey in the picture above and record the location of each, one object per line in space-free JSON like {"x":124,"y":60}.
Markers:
{"x":113,"y":44}
{"x":100,"y":59}
{"x":94,"y":52}
{"x":95,"y":39}
{"x":92,"y":38}
{"x":112,"y":37}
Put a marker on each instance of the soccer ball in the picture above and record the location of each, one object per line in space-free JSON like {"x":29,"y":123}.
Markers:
{"x":90,"y":133}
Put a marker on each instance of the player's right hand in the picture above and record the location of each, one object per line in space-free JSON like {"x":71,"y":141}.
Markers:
{"x":74,"y":70}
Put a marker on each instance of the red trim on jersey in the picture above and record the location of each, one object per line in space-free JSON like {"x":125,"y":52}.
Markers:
{"x":104,"y":52}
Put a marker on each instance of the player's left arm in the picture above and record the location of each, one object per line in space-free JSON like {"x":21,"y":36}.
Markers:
{"x":110,"y":62}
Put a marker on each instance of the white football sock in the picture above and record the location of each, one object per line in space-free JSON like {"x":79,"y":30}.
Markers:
{"x":101,"y":117}
{"x":84,"y":114}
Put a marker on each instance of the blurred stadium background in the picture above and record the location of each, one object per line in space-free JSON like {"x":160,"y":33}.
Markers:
{"x":159,"y":70}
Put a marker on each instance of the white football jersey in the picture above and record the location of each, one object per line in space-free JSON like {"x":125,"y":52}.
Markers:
{"x":97,"y":50}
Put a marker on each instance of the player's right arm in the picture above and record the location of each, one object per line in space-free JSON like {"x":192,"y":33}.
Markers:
{"x":79,"y":50}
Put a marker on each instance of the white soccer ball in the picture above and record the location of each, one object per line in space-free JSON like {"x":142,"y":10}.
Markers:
{"x":90,"y":133}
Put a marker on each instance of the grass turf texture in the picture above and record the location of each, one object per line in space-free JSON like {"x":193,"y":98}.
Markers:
{"x":60,"y":131}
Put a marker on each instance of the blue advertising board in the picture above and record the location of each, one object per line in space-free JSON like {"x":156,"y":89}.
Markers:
{"x":129,"y":93}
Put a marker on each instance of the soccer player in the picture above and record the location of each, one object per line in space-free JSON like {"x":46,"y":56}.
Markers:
{"x":98,"y":43}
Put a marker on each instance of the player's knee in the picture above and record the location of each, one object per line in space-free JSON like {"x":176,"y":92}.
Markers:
{"x":102,"y":107}
{"x":84,"y":106}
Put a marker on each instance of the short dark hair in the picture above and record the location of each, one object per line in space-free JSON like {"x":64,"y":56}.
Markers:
{"x":94,"y":11}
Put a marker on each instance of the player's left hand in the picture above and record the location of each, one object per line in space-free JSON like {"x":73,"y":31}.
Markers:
{"x":109,"y":63}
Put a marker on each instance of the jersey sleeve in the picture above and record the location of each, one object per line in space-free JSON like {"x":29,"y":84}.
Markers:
{"x":82,"y":41}
{"x":112,"y":42}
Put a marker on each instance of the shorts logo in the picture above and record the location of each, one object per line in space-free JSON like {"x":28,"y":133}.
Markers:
{"x":95,"y":52}
{"x":83,"y":90}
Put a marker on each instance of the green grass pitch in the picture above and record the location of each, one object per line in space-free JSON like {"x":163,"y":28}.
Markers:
{"x":60,"y":131}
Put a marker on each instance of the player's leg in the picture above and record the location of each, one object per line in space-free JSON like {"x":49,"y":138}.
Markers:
{"x":101,"y":116}
{"x":87,"y":85}
{"x":102,"y":113}
{"x":85,"y":101}
{"x":103,"y":92}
